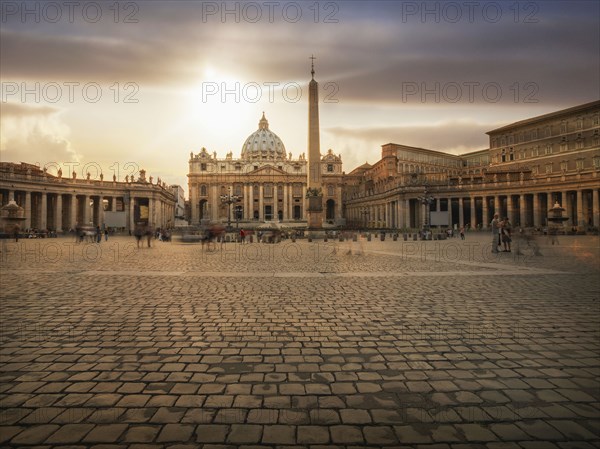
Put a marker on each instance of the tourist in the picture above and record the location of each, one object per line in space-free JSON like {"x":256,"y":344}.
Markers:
{"x":138,"y":232}
{"x":98,"y":234}
{"x":242,"y":236}
{"x":506,"y":230}
{"x":495,"y":224}
{"x":462,"y":233}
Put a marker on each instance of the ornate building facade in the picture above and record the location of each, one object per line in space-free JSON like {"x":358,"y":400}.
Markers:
{"x":269,"y":183}
{"x":60,"y":203}
{"x":530,"y":165}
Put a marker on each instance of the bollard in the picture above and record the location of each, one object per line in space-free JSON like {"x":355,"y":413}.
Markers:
{"x":368,"y":237}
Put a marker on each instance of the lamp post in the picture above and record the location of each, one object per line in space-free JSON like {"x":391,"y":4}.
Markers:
{"x":229,"y":199}
{"x":426,"y":200}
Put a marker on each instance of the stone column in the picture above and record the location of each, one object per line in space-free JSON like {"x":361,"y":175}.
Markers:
{"x":86,"y":210}
{"x":131,"y":209}
{"x":485,"y":221}
{"x":564,"y":196}
{"x":151,"y":217}
{"x":261,"y":207}
{"x":44,"y":211}
{"x":100,"y":211}
{"x":595,"y":208}
{"x":338,"y":202}
{"x":251,"y":201}
{"x":27,"y":208}
{"x":406,"y":214}
{"x":522,"y":211}
{"x":195,"y":204}
{"x":73,"y":212}
{"x":58,"y":211}
{"x":450,"y":212}
{"x":473,"y":218}
{"x":461,"y":212}
{"x":214,"y":202}
{"x":510,"y":208}
{"x":536,"y":210}
{"x":580,"y":219}
{"x":275,"y":202}
{"x":286,"y":212}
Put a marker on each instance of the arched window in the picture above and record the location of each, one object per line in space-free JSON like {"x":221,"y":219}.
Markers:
{"x":203,"y":190}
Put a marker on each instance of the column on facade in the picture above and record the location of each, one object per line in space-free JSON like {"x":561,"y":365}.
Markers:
{"x":484,"y":213}
{"x":275,"y":210}
{"x":73,"y":211}
{"x":338,"y":202}
{"x":564,"y":197}
{"x":510,"y":208}
{"x":214,"y":201}
{"x":473,"y":218}
{"x":461,"y":212}
{"x":195,"y":204}
{"x":406,"y":214}
{"x":450,"y":212}
{"x":58,"y":213}
{"x":536,"y":210}
{"x":580,"y":218}
{"x":43,"y":223}
{"x":595,"y":208}
{"x":522,"y":211}
{"x":251,"y":201}
{"x":131,"y":209}
{"x":286,"y":212}
{"x":261,"y":208}
{"x":86,"y":210}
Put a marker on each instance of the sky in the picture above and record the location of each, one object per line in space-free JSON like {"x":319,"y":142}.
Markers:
{"x":120,"y":86}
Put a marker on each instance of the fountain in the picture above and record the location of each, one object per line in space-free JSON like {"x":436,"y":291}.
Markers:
{"x":556,"y":220}
{"x":11,"y":215}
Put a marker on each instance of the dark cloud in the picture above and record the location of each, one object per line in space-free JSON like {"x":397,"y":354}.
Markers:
{"x":449,"y":136}
{"x":9,"y":109}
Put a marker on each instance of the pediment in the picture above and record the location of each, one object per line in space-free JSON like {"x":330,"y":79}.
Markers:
{"x":268,"y":170}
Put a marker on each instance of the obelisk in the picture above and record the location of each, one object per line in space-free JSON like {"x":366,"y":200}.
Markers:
{"x":315,"y":201}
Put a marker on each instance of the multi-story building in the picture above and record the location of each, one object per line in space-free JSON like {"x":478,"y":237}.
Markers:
{"x":269,"y":183}
{"x":530,"y":165}
{"x":179,"y":194}
{"x":60,"y":203}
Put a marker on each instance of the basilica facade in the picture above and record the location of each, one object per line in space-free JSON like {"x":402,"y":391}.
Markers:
{"x":265,"y":182}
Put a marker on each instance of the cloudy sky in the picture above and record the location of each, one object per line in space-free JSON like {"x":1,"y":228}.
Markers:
{"x":142,"y":84}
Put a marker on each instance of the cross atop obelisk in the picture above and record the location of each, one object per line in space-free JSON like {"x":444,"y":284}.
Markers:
{"x":312,"y":66}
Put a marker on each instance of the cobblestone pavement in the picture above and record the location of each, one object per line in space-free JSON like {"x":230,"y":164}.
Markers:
{"x":407,"y":344}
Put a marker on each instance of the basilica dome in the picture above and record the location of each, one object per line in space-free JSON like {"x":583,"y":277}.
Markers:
{"x":263,"y":144}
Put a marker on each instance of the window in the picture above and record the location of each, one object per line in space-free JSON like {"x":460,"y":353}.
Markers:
{"x":330,"y":190}
{"x":548,"y":131}
{"x":268,"y":190}
{"x":536,"y":151}
{"x":579,"y":163}
{"x":203,"y":190}
{"x":297,"y":190}
{"x":237,"y":189}
{"x":238,"y":167}
{"x":535,"y":169}
{"x":579,"y":144}
{"x":256,"y":167}
{"x":549,"y":168}
{"x":534,"y":134}
{"x":503,"y":157}
{"x":511,"y":155}
{"x":330,"y":168}
{"x":597,"y":162}
{"x":579,"y":123}
{"x":203,"y":167}
{"x":563,"y":126}
{"x":597,"y":119}
{"x":563,"y":147}
{"x":510,"y":140}
{"x":564,"y":166}
{"x":549,"y":148}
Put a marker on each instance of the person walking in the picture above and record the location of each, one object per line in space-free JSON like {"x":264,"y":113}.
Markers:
{"x":506,"y":234}
{"x":462,"y":232}
{"x":495,"y":224}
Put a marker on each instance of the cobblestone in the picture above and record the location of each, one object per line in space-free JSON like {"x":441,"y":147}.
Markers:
{"x":403,"y":346}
